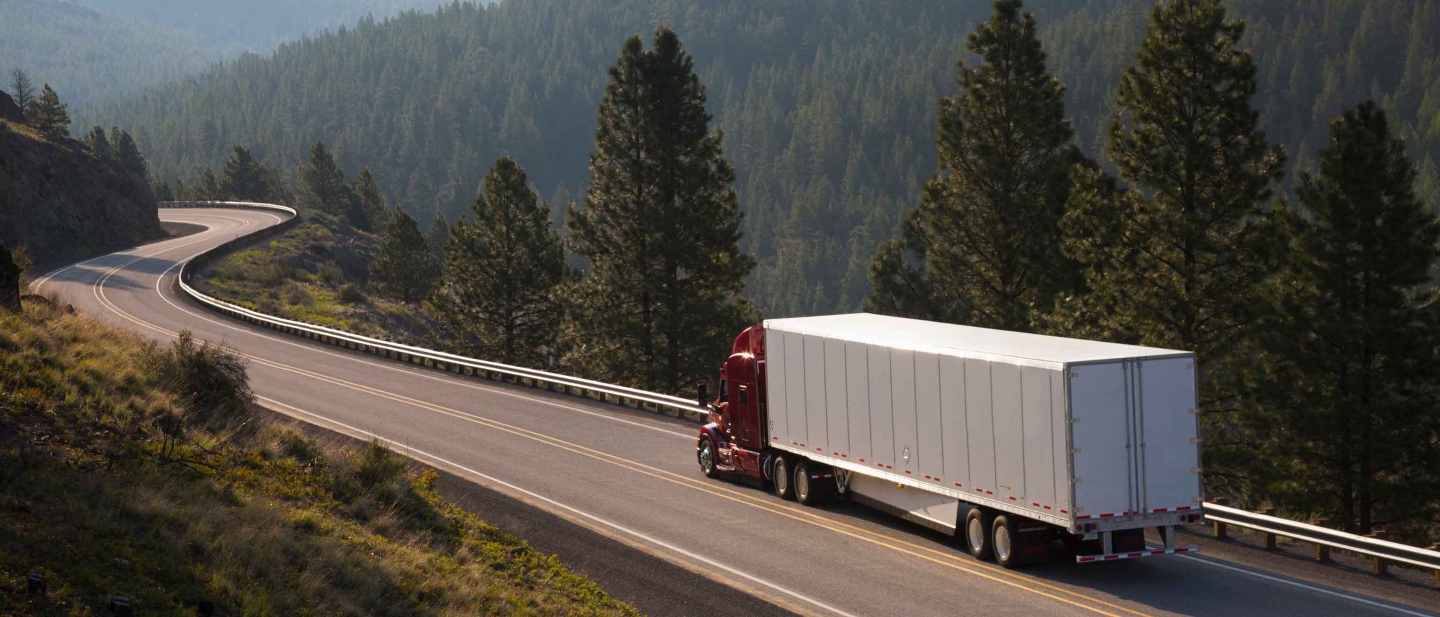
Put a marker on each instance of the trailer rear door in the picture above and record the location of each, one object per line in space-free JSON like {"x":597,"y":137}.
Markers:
{"x":1099,"y":419}
{"x":1168,"y":428}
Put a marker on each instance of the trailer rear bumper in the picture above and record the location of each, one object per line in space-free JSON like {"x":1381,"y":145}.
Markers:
{"x":1135,"y":554}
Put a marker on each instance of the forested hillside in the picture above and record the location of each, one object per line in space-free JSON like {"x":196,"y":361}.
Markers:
{"x":91,"y":50}
{"x":828,"y":106}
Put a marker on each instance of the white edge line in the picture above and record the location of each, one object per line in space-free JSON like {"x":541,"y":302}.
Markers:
{"x":1276,"y":579}
{"x":616,"y":526}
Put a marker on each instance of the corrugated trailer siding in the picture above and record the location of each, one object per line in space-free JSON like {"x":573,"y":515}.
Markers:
{"x":857,"y":394}
{"x":1007,"y":398}
{"x":902,"y":391}
{"x":954,"y":424}
{"x":837,"y":408}
{"x":882,"y":426}
{"x":1039,"y":444}
{"x":815,"y":429}
{"x":978,"y":418}
{"x":795,"y":388}
{"x":928,"y":416}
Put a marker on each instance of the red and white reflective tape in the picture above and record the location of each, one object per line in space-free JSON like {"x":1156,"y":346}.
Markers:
{"x":1179,"y":509}
{"x":1134,"y":554}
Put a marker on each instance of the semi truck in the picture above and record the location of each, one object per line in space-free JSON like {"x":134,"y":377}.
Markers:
{"x":1021,"y":445}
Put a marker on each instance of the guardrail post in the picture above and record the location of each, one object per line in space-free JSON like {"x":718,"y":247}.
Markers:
{"x":1269,"y":538}
{"x":1380,"y":566}
{"x":1322,"y":552}
{"x":1436,"y":547}
{"x":1221,"y":531}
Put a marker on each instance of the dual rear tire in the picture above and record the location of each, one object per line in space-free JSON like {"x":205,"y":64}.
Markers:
{"x":989,"y":536}
{"x":805,"y":481}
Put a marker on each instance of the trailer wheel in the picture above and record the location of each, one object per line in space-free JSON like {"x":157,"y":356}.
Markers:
{"x":780,"y":478}
{"x":805,"y":490}
{"x":977,"y":534}
{"x":706,"y":457}
{"x":1009,"y":544}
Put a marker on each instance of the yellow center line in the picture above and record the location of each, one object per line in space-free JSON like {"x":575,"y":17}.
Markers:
{"x":994,"y":574}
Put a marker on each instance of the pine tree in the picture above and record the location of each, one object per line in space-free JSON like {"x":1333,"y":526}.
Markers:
{"x":208,"y":188}
{"x":127,"y":152}
{"x":1177,"y":261}
{"x":405,"y":268}
{"x":501,"y":272}
{"x":163,"y":192}
{"x":439,"y":233}
{"x":660,"y":230}
{"x":322,"y":184}
{"x":982,"y":247}
{"x":243,"y":178}
{"x":23,"y":90}
{"x":371,"y":204}
{"x":1346,"y":372}
{"x":98,"y":144}
{"x":48,"y":114}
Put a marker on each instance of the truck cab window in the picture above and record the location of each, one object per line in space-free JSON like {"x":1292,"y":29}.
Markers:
{"x":724,"y":391}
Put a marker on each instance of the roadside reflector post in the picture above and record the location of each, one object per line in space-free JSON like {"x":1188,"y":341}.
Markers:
{"x":1269,"y":537}
{"x":1322,"y":552}
{"x":1220,"y":530}
{"x":1381,"y":568}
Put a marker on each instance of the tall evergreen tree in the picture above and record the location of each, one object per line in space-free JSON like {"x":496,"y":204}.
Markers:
{"x":48,"y":114}
{"x":243,"y":178}
{"x":1346,"y":377}
{"x":501,"y":272}
{"x":660,"y":229}
{"x":322,"y":184}
{"x":1178,"y":260}
{"x":127,"y":152}
{"x":982,"y":247}
{"x":372,"y":212}
{"x":98,"y":143}
{"x":207,"y":188}
{"x":439,"y":232}
{"x":405,"y":268}
{"x":22,"y":89}
{"x":163,"y":191}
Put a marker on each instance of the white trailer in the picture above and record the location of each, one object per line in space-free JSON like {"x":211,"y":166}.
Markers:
{"x":987,"y":432}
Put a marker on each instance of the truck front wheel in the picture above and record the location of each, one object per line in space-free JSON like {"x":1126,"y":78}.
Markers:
{"x":705,"y":454}
{"x":780,"y":478}
{"x":977,"y":534}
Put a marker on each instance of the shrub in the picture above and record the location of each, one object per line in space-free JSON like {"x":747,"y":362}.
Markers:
{"x":209,"y":380}
{"x":351,"y":294}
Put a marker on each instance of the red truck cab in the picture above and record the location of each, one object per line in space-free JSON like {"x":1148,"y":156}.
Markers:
{"x":735,"y":432}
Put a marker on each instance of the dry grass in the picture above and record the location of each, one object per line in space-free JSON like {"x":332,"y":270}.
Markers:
{"x":118,"y":476}
{"x":317,"y":273}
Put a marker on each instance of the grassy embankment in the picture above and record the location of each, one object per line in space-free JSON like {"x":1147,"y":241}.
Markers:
{"x":140,"y":470}
{"x":317,"y":272}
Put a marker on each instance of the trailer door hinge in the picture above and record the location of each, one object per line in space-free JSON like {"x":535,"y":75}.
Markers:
{"x":1196,"y":440}
{"x":1193,"y":411}
{"x":1074,"y":375}
{"x":1075,"y":481}
{"x":1196,"y":470}
{"x":1074,"y":420}
{"x":1074,"y":450}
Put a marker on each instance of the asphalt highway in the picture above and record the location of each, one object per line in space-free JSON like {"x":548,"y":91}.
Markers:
{"x":630,"y":477}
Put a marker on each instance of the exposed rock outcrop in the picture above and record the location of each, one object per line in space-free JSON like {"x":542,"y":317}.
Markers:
{"x":64,"y":203}
{"x":9,"y":110}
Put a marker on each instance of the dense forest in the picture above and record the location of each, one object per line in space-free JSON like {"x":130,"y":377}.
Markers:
{"x":93,"y":50}
{"x":828,"y":107}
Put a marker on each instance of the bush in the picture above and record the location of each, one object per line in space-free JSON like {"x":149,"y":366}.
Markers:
{"x":351,"y":294}
{"x":209,"y":380}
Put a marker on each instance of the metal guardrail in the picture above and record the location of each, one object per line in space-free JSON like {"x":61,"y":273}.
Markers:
{"x":406,"y":353}
{"x":1383,"y":552}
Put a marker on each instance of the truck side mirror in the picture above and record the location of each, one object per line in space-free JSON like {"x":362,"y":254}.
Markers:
{"x":702,"y":398}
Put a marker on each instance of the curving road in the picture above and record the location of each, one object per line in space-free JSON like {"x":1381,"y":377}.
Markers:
{"x":630,"y":476}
